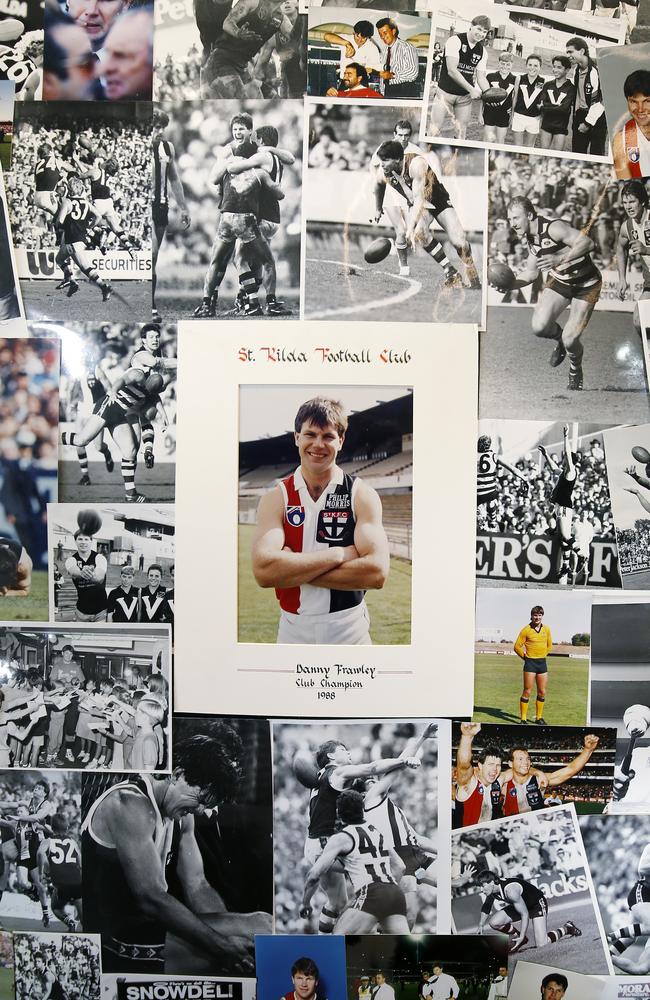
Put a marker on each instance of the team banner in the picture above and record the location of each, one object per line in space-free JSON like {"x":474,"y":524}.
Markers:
{"x":178,"y":989}
{"x":134,"y":265}
{"x":520,"y":557}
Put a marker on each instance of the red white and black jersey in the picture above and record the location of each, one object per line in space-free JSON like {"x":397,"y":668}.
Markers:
{"x":123,"y":605}
{"x":64,"y":859}
{"x":322,"y":805}
{"x":522,"y":797}
{"x":636,"y":149}
{"x":484,"y":803}
{"x":311,"y":525}
{"x":581,"y":273}
{"x":529,"y":97}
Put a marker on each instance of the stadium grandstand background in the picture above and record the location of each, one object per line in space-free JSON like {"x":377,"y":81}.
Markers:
{"x":379,"y":448}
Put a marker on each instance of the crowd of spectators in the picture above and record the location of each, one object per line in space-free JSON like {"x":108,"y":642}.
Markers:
{"x":613,"y":845}
{"x":416,"y":792}
{"x":634,"y":546}
{"x":532,"y":513}
{"x":128,"y":144}
{"x":72,"y":959}
{"x":29,"y":391}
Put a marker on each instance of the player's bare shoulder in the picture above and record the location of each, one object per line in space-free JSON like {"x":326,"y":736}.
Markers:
{"x":367,"y":500}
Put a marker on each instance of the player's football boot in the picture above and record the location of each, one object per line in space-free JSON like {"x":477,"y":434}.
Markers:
{"x":452,"y":278}
{"x":71,"y":924}
{"x":207,"y":309}
{"x":46,"y":920}
{"x":135,"y":498}
{"x":575,"y":379}
{"x":108,"y":459}
{"x":155,"y":316}
{"x":62,"y":284}
{"x":522,"y":722}
{"x":85,"y":480}
{"x":276,"y":307}
{"x":558,"y":355}
{"x":572,"y":930}
{"x":253,"y":309}
{"x":149,"y":459}
{"x":72,"y":288}
{"x":541,"y":721}
{"x":107,"y":290}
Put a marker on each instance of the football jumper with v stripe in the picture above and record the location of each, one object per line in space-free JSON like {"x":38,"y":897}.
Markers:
{"x":637,"y":150}
{"x":123,"y":606}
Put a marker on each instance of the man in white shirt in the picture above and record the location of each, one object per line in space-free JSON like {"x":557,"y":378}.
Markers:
{"x":382,"y":991}
{"x":499,"y":985}
{"x":440,"y":985}
{"x":358,"y":47}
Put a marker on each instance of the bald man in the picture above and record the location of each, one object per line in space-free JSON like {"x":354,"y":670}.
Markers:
{"x":126,"y":66}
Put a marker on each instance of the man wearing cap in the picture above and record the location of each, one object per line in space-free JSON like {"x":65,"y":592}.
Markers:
{"x":364,"y":992}
{"x":401,"y":64}
{"x":462,"y":77}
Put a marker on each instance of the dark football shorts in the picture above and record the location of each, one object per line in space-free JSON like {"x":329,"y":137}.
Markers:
{"x":413,"y":857}
{"x":111,"y":413}
{"x":639,"y":894}
{"x":486,"y":498}
{"x":64,"y":894}
{"x":555,"y":127}
{"x":439,"y":198}
{"x":539,"y":910}
{"x":160,"y":215}
{"x":590,"y":294}
{"x":535,"y":665}
{"x":496,"y":115}
{"x":381,"y":899}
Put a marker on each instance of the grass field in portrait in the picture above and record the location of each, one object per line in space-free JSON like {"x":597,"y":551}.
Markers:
{"x":7,"y":984}
{"x":498,"y":685}
{"x":259,"y":611}
{"x":33,"y":608}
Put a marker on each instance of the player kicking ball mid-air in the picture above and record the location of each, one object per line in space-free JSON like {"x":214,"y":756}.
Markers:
{"x":526,"y":909}
{"x":532,"y":645}
{"x":319,"y":538}
{"x":425,"y":201}
{"x":563,"y":255}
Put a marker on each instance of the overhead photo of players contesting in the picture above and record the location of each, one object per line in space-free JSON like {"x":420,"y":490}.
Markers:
{"x":324,"y":500}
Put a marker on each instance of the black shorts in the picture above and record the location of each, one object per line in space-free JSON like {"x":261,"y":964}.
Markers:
{"x":439,"y":198}
{"x":535,"y":665}
{"x":111,"y":413}
{"x":496,"y":115}
{"x":486,"y":498}
{"x":639,"y":894}
{"x":381,"y":900}
{"x":413,"y":857}
{"x":160,"y":215}
{"x":71,"y":719}
{"x":554,"y":127}
{"x":540,"y":910}
{"x":64,"y":894}
{"x":589,"y":294}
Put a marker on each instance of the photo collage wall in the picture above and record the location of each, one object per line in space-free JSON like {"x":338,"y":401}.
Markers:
{"x":299,"y":699}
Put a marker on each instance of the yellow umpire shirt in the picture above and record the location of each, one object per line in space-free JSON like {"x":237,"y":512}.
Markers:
{"x":534,"y":644}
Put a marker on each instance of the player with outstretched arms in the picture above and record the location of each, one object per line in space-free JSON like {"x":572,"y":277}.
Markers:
{"x":562,"y":498}
{"x":479,"y":796}
{"x":336,"y":773}
{"x":425,"y":200}
{"x":638,"y":901}
{"x":368,"y":864}
{"x":165,"y":175}
{"x":563,"y":255}
{"x":526,"y":909}
{"x":523,"y":786}
{"x":633,"y":244}
{"x":487,"y":483}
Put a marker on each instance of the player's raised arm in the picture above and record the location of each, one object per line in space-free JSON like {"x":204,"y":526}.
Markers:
{"x":464,"y":765}
{"x":369,"y":570}
{"x":344,"y":773}
{"x":177,"y":188}
{"x":274,"y":565}
{"x":574,"y":767}
{"x":233,"y":23}
{"x":511,"y":469}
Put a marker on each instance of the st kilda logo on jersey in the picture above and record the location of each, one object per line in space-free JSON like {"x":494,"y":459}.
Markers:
{"x":335,"y":519}
{"x":295,"y":516}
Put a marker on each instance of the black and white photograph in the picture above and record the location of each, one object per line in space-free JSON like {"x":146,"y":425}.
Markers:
{"x":228,"y":50}
{"x":628,"y":472}
{"x":528,"y":877}
{"x":396,"y":229}
{"x":347,"y":791}
{"x":95,"y":53}
{"x":139,"y":987}
{"x":578,"y":332}
{"x":626,"y":95}
{"x":178,"y":868}
{"x":439,"y":966}
{"x":497,"y":771}
{"x":383,"y":55}
{"x":29,"y":403}
{"x":21,"y":51}
{"x":339,"y":488}
{"x":79,"y":195}
{"x":40,"y":884}
{"x":233,"y":172}
{"x":63,"y":965}
{"x":531,"y":659}
{"x":11,"y":302}
{"x":510,"y":76}
{"x":111,"y":563}
{"x":618,"y":851}
{"x":118,"y":411}
{"x":7,"y":991}
{"x":554,"y":983}
{"x":620,"y":695}
{"x":543,"y":509}
{"x":86,"y":698}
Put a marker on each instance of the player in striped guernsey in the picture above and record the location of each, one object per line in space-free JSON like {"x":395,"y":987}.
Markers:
{"x":487,"y":483}
{"x":631,"y":144}
{"x":526,"y":908}
{"x":336,"y":773}
{"x":130,"y":406}
{"x":77,"y":215}
{"x":165,"y":175}
{"x":319,"y":538}
{"x":638,"y":901}
{"x":359,"y":849}
{"x":563,"y":254}
{"x":633,"y":245}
